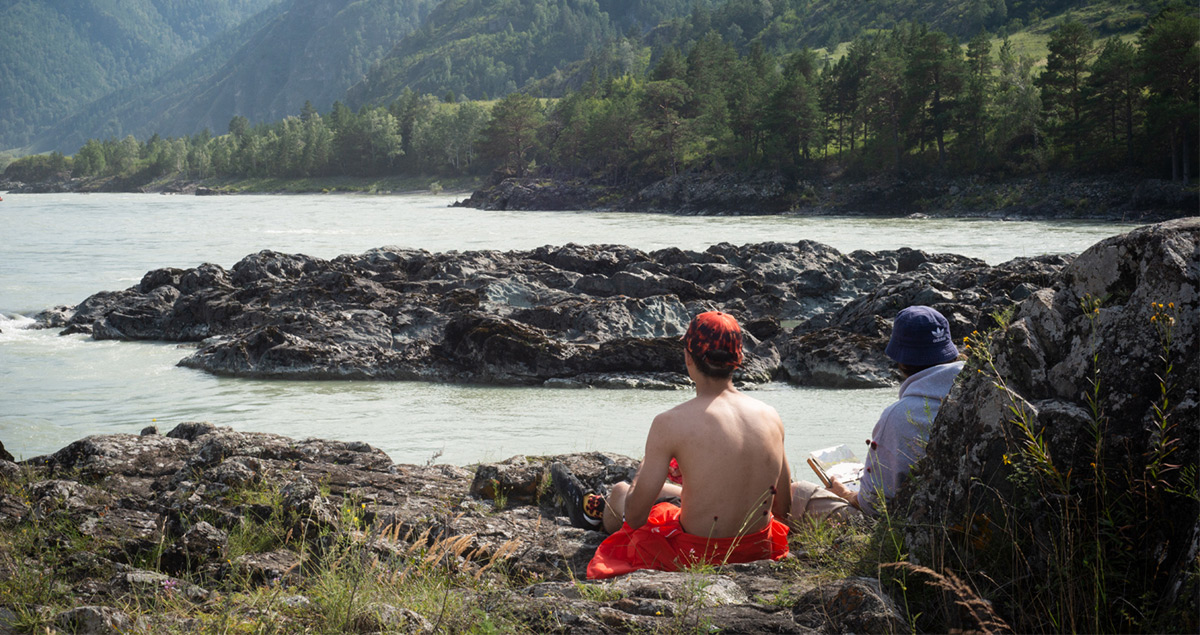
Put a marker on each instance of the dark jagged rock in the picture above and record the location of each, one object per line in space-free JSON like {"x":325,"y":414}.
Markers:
{"x":843,"y":348}
{"x":736,"y":194}
{"x":537,"y":194}
{"x":560,"y":316}
{"x":102,"y":484}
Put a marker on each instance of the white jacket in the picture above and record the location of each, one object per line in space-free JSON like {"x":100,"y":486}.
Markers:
{"x":899,"y":437}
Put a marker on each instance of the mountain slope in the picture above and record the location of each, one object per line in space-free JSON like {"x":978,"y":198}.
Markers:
{"x":476,"y":48}
{"x":56,"y":56}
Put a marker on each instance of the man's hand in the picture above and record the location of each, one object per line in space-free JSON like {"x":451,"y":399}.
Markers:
{"x":840,"y":491}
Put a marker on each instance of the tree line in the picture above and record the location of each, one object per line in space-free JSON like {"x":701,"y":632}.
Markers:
{"x":909,"y":100}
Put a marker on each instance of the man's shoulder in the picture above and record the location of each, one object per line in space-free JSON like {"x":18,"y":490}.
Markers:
{"x":756,"y":406}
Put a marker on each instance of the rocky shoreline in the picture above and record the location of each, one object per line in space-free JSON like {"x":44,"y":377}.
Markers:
{"x":175,"y":495}
{"x":1120,"y":197}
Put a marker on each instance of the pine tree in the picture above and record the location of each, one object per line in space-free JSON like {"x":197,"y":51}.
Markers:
{"x":1170,"y":60}
{"x":1062,"y":83}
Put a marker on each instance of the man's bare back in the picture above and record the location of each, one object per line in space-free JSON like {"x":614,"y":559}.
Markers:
{"x":730,"y":451}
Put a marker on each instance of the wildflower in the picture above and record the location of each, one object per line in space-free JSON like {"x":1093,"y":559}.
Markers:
{"x":1153,"y":318}
{"x":1007,"y":461}
{"x":1171,"y":305}
{"x":1096,"y":310}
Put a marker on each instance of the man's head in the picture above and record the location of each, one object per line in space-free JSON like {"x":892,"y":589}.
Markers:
{"x":920,"y":339}
{"x":714,"y":341}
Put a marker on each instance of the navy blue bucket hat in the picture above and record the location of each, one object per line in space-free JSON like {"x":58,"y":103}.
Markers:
{"x":921,"y":337}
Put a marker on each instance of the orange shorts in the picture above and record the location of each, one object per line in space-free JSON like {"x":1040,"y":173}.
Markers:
{"x":662,"y":544}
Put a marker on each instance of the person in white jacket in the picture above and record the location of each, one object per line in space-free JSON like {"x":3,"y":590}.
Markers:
{"x":922,"y":347}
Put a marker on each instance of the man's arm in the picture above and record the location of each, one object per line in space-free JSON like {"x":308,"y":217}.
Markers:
{"x":651,"y":475}
{"x":782,"y":506}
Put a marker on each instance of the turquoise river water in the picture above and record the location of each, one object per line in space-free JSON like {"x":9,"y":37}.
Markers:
{"x":61,"y":248}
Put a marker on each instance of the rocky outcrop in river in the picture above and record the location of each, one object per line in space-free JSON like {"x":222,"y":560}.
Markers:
{"x":559,"y":316}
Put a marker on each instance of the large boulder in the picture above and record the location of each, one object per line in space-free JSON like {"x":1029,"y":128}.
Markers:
{"x":1079,"y":414}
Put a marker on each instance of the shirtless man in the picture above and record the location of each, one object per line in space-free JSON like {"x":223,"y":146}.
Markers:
{"x":729,"y":447}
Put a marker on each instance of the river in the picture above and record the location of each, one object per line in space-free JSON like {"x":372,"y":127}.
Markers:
{"x":61,"y":248}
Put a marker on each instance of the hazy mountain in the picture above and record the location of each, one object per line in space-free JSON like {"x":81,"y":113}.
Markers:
{"x":57,"y":55}
{"x":300,"y":50}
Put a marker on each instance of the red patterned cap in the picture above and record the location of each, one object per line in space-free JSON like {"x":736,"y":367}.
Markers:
{"x":716,"y":338}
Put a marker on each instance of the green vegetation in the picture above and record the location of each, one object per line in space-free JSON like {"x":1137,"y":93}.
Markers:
{"x":909,"y":100}
{"x":906,"y":100}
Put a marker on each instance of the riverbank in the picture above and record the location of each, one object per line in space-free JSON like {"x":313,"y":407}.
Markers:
{"x":1119,"y":197}
{"x":1123,"y":197}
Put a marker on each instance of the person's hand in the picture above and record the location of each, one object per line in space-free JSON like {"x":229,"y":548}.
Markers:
{"x":838,"y":489}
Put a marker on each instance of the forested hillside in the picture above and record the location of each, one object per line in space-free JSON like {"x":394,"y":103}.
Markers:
{"x":58,"y":56}
{"x":784,"y":25}
{"x":480,"y":49}
{"x":909,"y":101}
